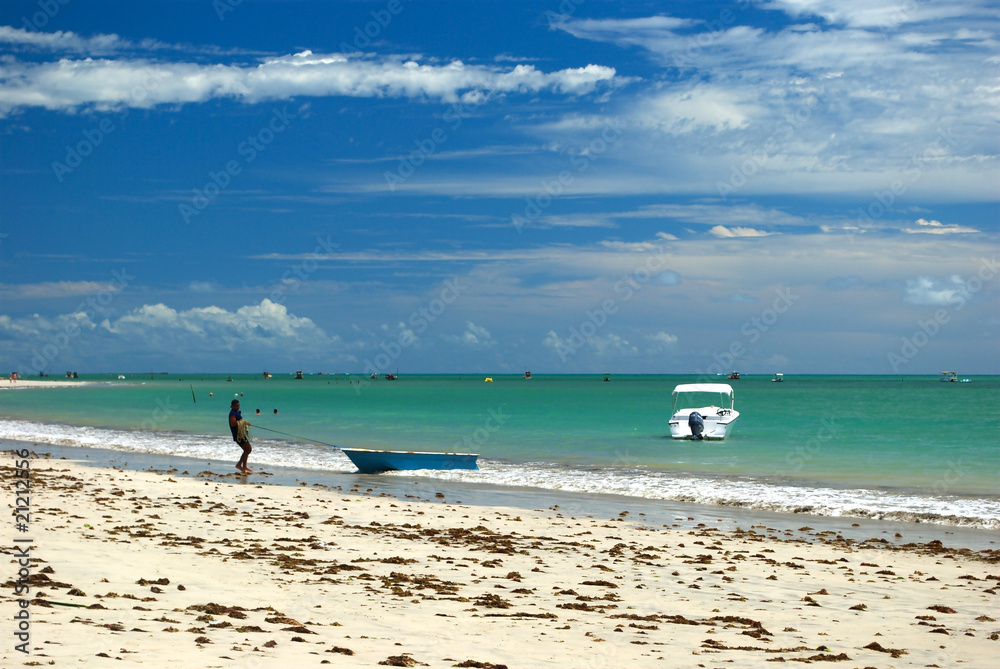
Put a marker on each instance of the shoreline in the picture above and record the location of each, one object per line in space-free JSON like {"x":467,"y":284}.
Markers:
{"x":653,"y":512}
{"x":151,"y":568}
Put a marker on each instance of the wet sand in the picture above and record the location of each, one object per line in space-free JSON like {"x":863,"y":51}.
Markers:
{"x":219,"y":570}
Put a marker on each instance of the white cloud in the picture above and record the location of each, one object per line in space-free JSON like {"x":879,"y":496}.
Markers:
{"x":612,"y":346}
{"x":830,"y":107}
{"x":931,"y":291}
{"x":715,"y":214}
{"x":267,"y":323}
{"x":52,"y":289}
{"x":198,"y":336}
{"x":104,"y":83}
{"x":474,"y":337}
{"x":881,"y":14}
{"x":938,"y":228}
{"x":100,"y":44}
{"x":62,"y":41}
{"x":723,"y":231}
{"x":661,"y":341}
{"x":632,"y":247}
{"x":700,"y":107}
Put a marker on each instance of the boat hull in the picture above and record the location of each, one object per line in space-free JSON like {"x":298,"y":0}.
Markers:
{"x":716,"y":426}
{"x":373,"y":462}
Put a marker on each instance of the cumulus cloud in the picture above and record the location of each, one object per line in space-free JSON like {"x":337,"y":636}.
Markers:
{"x":474,"y":336}
{"x":104,"y":83}
{"x":155,"y":329}
{"x":41,"y":329}
{"x":265,"y":323}
{"x":607,"y":347}
{"x":612,"y":346}
{"x":932,"y":291}
{"x":660,"y":342}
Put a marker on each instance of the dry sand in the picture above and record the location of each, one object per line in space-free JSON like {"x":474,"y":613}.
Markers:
{"x":214,"y":571}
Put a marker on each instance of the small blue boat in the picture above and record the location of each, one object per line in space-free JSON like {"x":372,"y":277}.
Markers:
{"x":372,"y":462}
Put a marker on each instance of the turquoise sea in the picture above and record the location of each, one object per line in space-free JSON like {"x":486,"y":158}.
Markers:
{"x":900,"y":448}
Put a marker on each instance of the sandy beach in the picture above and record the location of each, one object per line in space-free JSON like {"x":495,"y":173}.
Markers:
{"x":21,"y":384}
{"x":212,"y":570}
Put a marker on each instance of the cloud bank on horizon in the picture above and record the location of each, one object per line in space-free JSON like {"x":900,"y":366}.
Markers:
{"x":797,"y":184}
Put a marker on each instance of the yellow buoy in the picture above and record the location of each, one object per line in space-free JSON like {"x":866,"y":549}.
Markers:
{"x":489,"y":379}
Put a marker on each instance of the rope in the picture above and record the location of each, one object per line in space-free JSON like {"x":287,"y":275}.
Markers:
{"x":295,"y":436}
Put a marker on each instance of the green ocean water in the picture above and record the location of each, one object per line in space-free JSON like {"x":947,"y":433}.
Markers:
{"x":900,"y":447}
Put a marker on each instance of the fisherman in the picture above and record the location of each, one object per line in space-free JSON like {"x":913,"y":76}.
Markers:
{"x":238,"y":426}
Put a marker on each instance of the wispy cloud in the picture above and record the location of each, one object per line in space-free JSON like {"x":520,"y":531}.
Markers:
{"x":51,"y":289}
{"x":938,"y":228}
{"x":101,"y":44}
{"x":723,"y":231}
{"x":780,"y":110}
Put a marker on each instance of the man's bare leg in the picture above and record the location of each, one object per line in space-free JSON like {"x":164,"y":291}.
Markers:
{"x":242,"y":463}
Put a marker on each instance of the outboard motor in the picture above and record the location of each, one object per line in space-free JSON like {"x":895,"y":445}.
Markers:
{"x":696,"y":424}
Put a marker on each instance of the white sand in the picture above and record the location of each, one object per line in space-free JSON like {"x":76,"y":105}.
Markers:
{"x":256,"y":575}
{"x":5,"y":384}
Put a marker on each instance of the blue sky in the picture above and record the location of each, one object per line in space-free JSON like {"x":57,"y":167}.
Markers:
{"x":804,"y":186}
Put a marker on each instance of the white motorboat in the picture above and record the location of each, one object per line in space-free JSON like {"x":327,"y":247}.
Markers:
{"x":712,"y":401}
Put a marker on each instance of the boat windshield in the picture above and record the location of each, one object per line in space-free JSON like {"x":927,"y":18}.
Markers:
{"x":697,"y":395}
